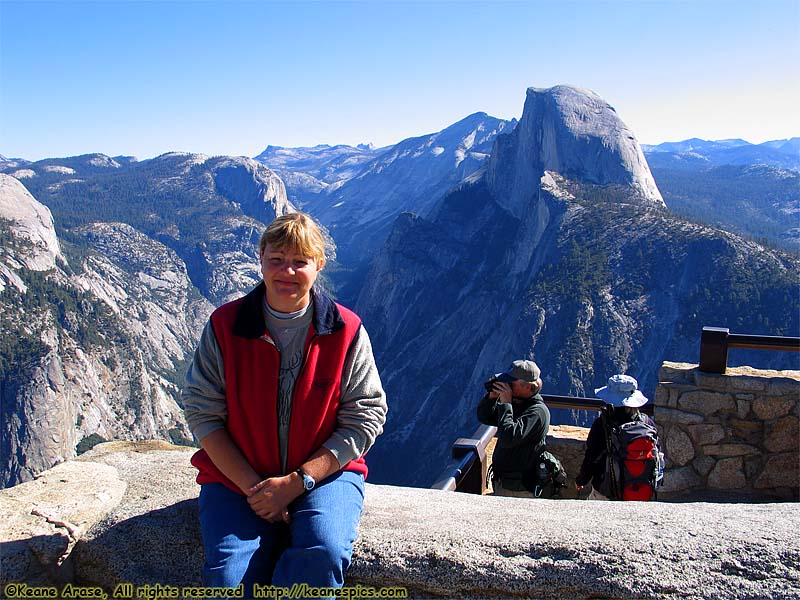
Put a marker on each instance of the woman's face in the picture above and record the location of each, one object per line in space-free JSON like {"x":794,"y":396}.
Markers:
{"x":288,"y":277}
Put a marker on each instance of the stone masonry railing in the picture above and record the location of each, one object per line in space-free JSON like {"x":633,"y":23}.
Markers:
{"x":734,"y":433}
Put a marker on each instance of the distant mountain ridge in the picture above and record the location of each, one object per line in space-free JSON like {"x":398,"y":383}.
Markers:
{"x":210,"y":210}
{"x":698,"y":154}
{"x":409,"y":176}
{"x":759,"y":201}
{"x":695,"y":144}
{"x":325,"y":163}
{"x":307,"y":172}
{"x":751,"y":189}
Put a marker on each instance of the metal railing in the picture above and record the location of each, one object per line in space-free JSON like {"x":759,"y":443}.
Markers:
{"x":715,"y":341}
{"x":578,"y":403}
{"x":466,"y":471}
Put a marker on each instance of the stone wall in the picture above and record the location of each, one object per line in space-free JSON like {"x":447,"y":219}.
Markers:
{"x":734,"y":434}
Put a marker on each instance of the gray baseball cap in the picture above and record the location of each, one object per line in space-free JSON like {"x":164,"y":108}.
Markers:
{"x":524,"y":370}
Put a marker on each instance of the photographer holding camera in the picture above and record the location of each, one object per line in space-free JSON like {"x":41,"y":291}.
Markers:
{"x":513,"y":405}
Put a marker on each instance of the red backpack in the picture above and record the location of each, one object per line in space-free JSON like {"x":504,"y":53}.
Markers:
{"x":634,"y":461}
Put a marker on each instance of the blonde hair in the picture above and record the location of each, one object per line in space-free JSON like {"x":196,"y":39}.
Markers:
{"x":297,"y":232}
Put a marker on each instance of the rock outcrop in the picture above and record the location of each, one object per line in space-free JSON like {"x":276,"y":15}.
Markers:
{"x":33,"y":228}
{"x":130,"y":511}
{"x":572,"y":132}
{"x":44,"y":519}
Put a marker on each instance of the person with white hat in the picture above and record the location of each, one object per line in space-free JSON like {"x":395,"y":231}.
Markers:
{"x":514,"y":405}
{"x":623,"y":400}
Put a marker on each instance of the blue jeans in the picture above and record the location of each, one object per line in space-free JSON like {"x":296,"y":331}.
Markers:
{"x":315,"y":548}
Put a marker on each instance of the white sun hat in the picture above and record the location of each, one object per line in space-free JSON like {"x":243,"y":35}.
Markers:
{"x":622,"y":390}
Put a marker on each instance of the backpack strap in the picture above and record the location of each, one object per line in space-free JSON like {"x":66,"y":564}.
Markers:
{"x":540,"y":449}
{"x":607,"y":425}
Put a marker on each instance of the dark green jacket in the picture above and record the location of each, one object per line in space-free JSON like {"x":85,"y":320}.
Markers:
{"x":521,"y":430}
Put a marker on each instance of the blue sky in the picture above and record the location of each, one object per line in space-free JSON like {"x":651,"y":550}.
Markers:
{"x":143,"y":78}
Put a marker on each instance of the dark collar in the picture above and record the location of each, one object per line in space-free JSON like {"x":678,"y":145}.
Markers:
{"x":249,"y":321}
{"x":526,"y":402}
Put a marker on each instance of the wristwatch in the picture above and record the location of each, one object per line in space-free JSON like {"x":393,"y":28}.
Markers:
{"x":308,"y":481}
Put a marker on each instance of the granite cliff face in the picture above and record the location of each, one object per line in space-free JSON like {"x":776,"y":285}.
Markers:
{"x":562,"y":251}
{"x":147,"y":284}
{"x":97,"y":339}
{"x":259,"y":192}
{"x":572,"y":132}
{"x":106,"y":320}
{"x":33,"y":227}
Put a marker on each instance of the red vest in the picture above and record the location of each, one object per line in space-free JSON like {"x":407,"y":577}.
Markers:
{"x":252,"y":364}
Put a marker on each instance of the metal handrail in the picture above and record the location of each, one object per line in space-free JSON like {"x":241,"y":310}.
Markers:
{"x":460,"y":473}
{"x":578,"y":403}
{"x":454,"y":474}
{"x":715,"y":342}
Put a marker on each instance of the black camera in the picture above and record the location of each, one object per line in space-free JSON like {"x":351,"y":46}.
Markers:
{"x":504,"y":377}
